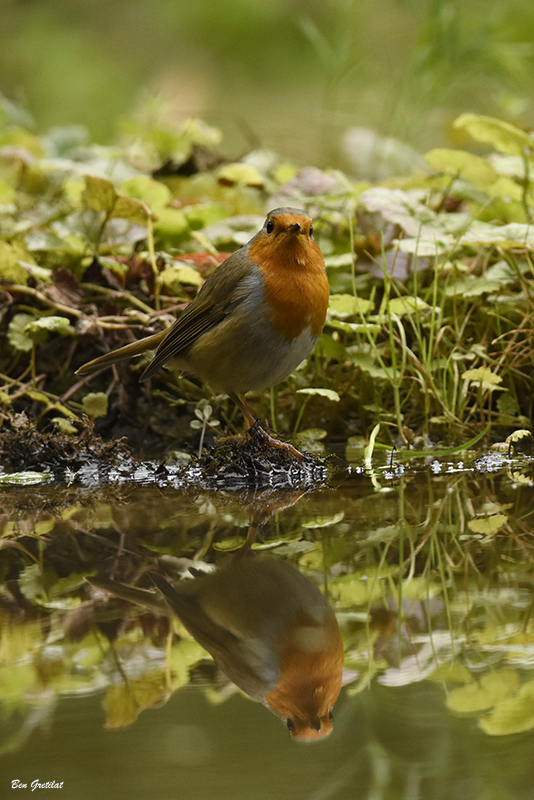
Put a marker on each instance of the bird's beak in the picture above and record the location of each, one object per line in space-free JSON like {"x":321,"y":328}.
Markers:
{"x":295,"y":228}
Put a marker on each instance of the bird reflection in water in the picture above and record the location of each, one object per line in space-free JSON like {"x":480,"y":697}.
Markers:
{"x":268,"y":628}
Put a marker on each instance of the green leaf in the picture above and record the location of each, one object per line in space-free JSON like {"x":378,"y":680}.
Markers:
{"x":95,"y":404}
{"x":199,"y":132}
{"x":511,"y":715}
{"x":10,"y":269}
{"x":478,"y":696}
{"x":472,"y":286}
{"x":407,"y":305}
{"x":487,"y":525}
{"x":504,"y":137}
{"x":340,"y":260}
{"x":171,"y":224}
{"x":99,"y":194}
{"x":153,"y":193}
{"x":64,"y":425}
{"x":466,"y":165}
{"x":131,"y":209}
{"x":242,"y":174}
{"x":516,"y":436}
{"x":482,"y":375}
{"x":176,"y":277}
{"x":40,"y":273}
{"x":329,"y":393}
{"x":346,"y":305}
{"x":486,"y":233}
{"x":52,"y":324}
{"x":16,"y":332}
{"x":367,"y":364}
{"x":27,"y":478}
{"x":325,"y":522}
{"x":7,"y":193}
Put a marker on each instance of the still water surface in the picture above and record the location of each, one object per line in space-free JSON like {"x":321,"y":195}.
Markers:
{"x":429,"y":568}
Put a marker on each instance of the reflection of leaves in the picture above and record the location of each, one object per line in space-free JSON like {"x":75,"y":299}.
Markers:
{"x":324,"y":522}
{"x":124,"y":702}
{"x":478,"y":696}
{"x":27,"y":478}
{"x":185,"y":655}
{"x":359,"y":588}
{"x":34,"y":584}
{"x":511,"y":715}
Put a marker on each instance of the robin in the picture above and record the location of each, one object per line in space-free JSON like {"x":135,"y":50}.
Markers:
{"x":254,"y":319}
{"x":269,"y":629}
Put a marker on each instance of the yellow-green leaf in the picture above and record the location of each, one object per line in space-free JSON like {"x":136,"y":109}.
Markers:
{"x":16,"y":332}
{"x":131,"y":209}
{"x":513,"y":714}
{"x":506,"y":138}
{"x":516,"y":436}
{"x":482,"y":375}
{"x":27,"y":478}
{"x":329,"y":393}
{"x":11,"y":270}
{"x":346,"y":305}
{"x":175,"y":277}
{"x":64,"y":425}
{"x":479,"y":695}
{"x":407,"y":305}
{"x":95,"y":404}
{"x":325,"y":522}
{"x":466,"y":165}
{"x":487,"y":525}
{"x":99,"y":194}
{"x":153,"y":193}
{"x":52,"y":324}
{"x":242,"y":174}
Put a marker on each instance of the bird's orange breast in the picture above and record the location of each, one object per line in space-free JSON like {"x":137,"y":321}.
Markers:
{"x":311,"y":663}
{"x":295,"y":283}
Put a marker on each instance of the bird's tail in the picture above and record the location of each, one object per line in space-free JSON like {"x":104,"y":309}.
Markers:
{"x":122,"y":353}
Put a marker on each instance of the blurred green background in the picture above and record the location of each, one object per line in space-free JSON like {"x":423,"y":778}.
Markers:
{"x":290,"y":75}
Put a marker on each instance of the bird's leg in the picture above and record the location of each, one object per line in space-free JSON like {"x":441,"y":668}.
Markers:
{"x":250,"y":420}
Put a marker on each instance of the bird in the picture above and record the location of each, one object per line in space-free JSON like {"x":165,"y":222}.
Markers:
{"x":269,"y":629}
{"x":253,"y":321}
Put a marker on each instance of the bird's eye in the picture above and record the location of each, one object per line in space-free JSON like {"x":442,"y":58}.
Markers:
{"x":331,"y":717}
{"x":290,"y":725}
{"x":269,"y":227}
{"x":311,"y":230}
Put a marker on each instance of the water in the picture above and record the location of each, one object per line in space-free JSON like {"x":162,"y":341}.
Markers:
{"x":428,"y":567}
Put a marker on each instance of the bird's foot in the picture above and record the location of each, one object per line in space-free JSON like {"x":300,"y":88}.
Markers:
{"x":258,"y":430}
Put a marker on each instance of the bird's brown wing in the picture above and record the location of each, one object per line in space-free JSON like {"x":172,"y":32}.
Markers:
{"x":223,"y":645}
{"x":215,"y":300}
